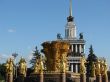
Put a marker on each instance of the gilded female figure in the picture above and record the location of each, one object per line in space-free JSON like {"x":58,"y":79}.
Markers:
{"x":22,"y":67}
{"x":9,"y":66}
{"x":82,"y":65}
{"x":98,"y":70}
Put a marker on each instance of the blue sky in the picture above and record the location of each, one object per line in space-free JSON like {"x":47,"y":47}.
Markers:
{"x":25,"y":24}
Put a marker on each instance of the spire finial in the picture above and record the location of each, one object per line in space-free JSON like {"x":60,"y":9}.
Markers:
{"x":70,"y":7}
{"x":70,"y":18}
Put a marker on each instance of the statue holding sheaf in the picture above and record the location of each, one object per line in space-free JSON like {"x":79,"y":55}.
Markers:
{"x":105,"y":68}
{"x":63,"y":64}
{"x":98,"y":69}
{"x":35,"y":69}
{"x":22,"y":67}
{"x":93,"y":69}
{"x":39,"y":66}
{"x":82,"y":65}
{"x":9,"y":66}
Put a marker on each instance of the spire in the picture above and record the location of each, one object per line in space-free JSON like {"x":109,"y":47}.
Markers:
{"x":70,"y":7}
{"x":70,"y":18}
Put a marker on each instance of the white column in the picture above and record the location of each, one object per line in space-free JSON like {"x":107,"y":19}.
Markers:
{"x":83,"y":48}
{"x":76,"y":67}
{"x":71,"y":67}
{"x":65,"y":33}
{"x":76,"y":48}
{"x":72,"y":47}
{"x":80,"y":48}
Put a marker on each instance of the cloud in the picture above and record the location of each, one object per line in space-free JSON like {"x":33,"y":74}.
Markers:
{"x":30,"y":56}
{"x":11,"y":30}
{"x":3,"y":56}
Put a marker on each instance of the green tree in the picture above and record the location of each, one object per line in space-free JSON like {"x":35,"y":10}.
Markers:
{"x":36,"y":55}
{"x":91,"y":56}
{"x":2,"y":71}
{"x":90,"y":60}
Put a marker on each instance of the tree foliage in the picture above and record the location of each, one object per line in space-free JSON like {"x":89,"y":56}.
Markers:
{"x":91,"y":56}
{"x":90,"y":60}
{"x":2,"y":71}
{"x":36,"y":55}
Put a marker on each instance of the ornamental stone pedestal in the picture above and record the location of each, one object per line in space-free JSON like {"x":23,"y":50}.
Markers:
{"x":41,"y":77}
{"x":9,"y":78}
{"x":98,"y":78}
{"x":83,"y":78}
{"x":91,"y":79}
{"x":105,"y":78}
{"x":63,"y":77}
{"x":20,"y":78}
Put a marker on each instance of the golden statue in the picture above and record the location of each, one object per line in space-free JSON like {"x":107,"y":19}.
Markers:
{"x":82,"y":65}
{"x":35,"y":67}
{"x":98,"y":70}
{"x":63,"y":65}
{"x":39,"y":66}
{"x":9,"y":66}
{"x":93,"y":69}
{"x":22,"y":67}
{"x":102,"y":66}
{"x":105,"y":68}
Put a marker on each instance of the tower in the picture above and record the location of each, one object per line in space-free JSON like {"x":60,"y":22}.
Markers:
{"x":70,"y":29}
{"x":76,"y":49}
